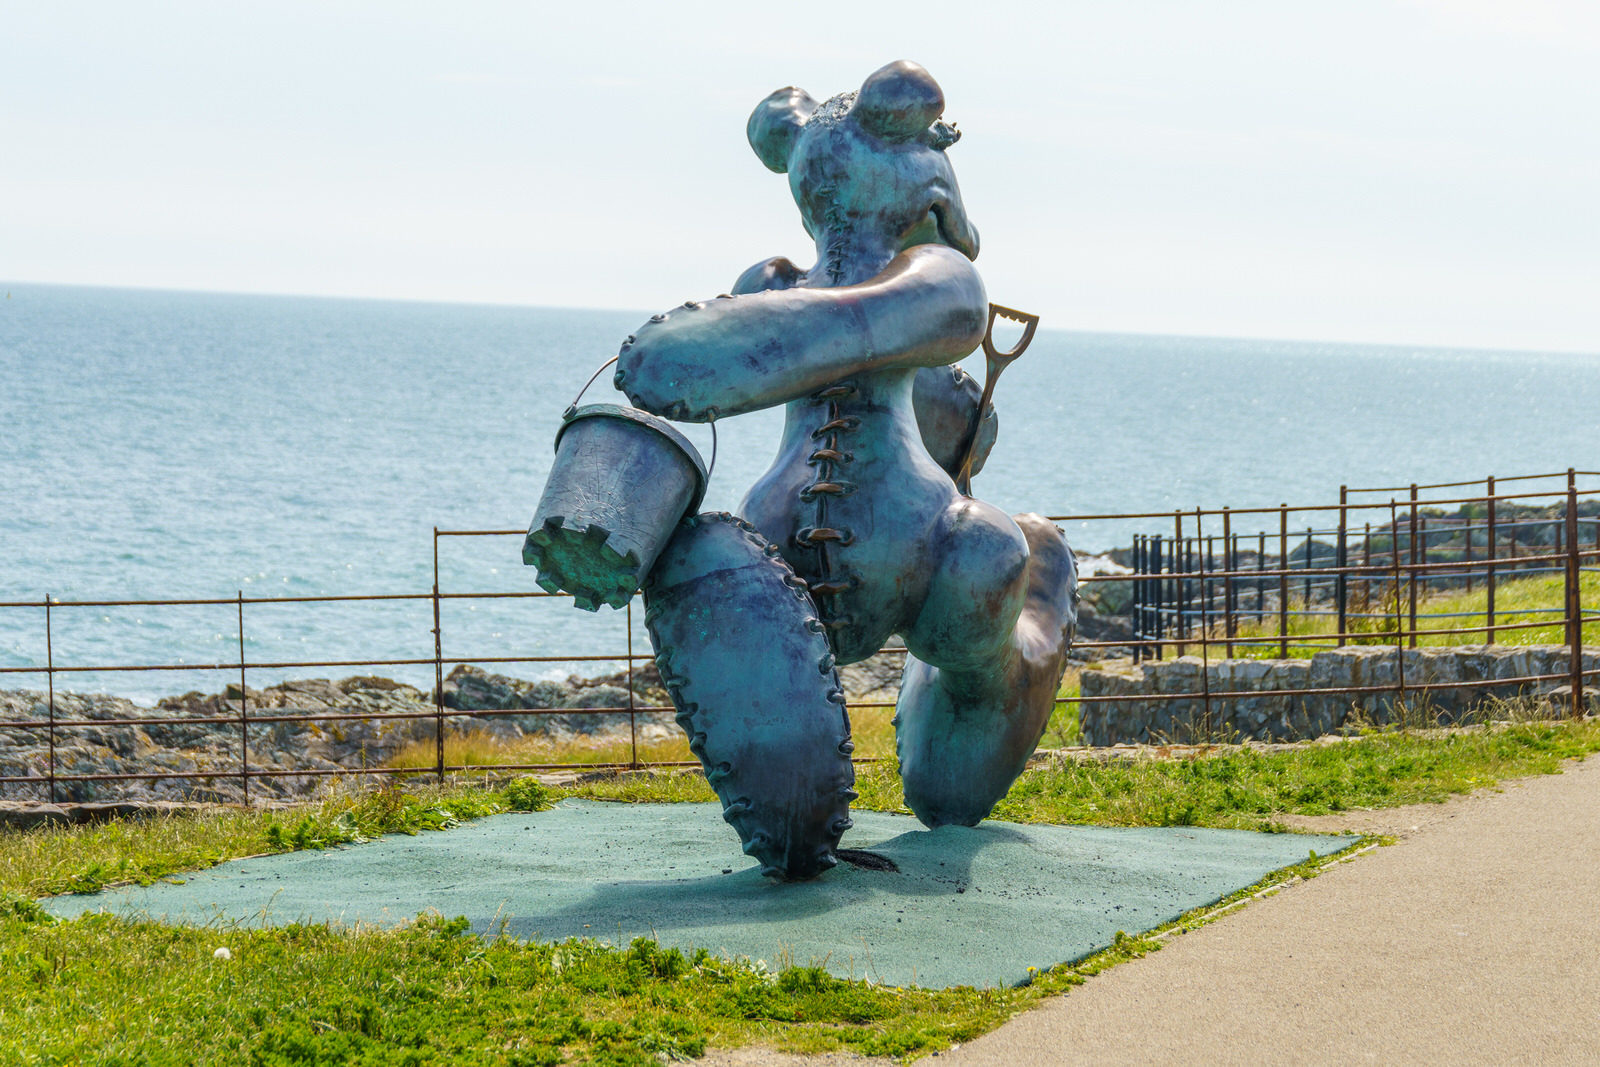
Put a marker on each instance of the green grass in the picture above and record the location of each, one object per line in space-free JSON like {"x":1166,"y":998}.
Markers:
{"x":1063,"y":729}
{"x":1514,"y":600}
{"x":1250,"y":789}
{"x":101,"y":990}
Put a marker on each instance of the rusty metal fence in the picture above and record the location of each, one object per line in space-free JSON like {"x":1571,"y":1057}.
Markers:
{"x":1218,"y":591}
{"x":1201,"y":589}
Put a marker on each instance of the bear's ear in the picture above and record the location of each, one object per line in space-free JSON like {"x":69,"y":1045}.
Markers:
{"x":776,"y":122}
{"x":898,"y":102}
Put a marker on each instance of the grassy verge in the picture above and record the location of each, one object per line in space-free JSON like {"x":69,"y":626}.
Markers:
{"x":1521,"y":600}
{"x":101,"y":990}
{"x":1249,"y":789}
{"x":1229,"y":788}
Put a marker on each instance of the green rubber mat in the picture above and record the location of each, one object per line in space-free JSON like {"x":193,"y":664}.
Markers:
{"x":954,"y":906}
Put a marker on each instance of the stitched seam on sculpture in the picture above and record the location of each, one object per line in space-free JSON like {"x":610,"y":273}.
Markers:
{"x":832,"y":581}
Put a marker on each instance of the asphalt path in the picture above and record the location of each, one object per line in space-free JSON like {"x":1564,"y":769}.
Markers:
{"x":1474,"y":939}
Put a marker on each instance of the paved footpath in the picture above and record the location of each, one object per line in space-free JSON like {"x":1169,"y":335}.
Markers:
{"x":1473,"y":940}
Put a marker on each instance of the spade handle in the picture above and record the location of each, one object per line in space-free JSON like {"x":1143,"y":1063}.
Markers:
{"x":995,"y":361}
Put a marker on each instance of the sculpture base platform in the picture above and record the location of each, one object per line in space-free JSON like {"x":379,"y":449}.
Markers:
{"x":967,"y":906}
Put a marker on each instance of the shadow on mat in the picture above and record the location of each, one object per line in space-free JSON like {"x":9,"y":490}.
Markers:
{"x":932,"y":863}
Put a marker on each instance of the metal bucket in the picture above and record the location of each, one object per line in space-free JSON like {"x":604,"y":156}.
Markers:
{"x":621,"y":482}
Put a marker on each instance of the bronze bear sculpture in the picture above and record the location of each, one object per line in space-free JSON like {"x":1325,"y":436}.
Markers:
{"x":857,"y":531}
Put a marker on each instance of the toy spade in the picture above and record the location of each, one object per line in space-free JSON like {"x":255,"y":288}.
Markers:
{"x":995,"y":361}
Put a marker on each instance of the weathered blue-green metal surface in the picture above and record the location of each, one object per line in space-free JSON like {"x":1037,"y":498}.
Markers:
{"x":748,"y":666}
{"x":620,"y":482}
{"x":969,"y":906}
{"x":862,"y":501}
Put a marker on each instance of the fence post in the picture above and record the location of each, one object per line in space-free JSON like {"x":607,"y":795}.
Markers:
{"x":1467,"y":553}
{"x":633,"y":719}
{"x":1366,"y":564}
{"x":1162,"y":567}
{"x":1186,"y":593}
{"x":438,"y":669}
{"x":1209,"y":583}
{"x":1492,"y":537}
{"x":50,"y":685}
{"x":1179,"y":571}
{"x":1191,"y":564}
{"x":244,"y":704}
{"x":1147,"y":598}
{"x":1205,"y":647}
{"x":1136,"y":605}
{"x":1399,"y":645}
{"x":1261,"y":585}
{"x":1202,"y":564}
{"x":1341,"y":559}
{"x":1283,"y":581}
{"x":1308,"y":573}
{"x":1422,"y":555}
{"x":1230,"y":560}
{"x":1411,"y":571}
{"x":1146,"y":594}
{"x":1561,"y":537}
{"x":1574,"y":600}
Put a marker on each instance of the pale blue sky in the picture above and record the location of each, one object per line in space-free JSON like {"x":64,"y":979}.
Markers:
{"x":1416,"y":171}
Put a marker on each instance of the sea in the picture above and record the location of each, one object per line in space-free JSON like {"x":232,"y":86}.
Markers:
{"x":238,"y":448}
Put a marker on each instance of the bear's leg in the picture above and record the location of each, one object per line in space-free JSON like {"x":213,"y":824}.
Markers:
{"x":980,"y":684}
{"x":748,"y":665}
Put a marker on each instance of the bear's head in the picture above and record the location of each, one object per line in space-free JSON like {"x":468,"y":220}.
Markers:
{"x":867,"y":169}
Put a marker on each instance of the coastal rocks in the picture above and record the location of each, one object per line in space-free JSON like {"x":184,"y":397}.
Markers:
{"x":1105,"y":597}
{"x":470,"y":688}
{"x":1284,"y":700}
{"x":294,"y":734}
{"x":875,"y":680}
{"x":1104,"y":605}
{"x":204,"y":738}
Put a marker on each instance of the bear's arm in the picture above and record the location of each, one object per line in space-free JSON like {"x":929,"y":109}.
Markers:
{"x":705,"y":361}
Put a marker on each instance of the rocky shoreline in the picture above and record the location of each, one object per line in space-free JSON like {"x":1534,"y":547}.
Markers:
{"x":300,"y":732}
{"x":304,"y":733}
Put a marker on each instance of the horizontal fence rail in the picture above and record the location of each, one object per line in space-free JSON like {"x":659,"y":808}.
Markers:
{"x":1207,"y":585}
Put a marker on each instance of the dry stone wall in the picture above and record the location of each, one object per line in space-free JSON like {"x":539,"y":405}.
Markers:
{"x":1177,"y":709}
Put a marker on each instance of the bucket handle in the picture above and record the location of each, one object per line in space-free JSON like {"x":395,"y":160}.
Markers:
{"x":573,"y":407}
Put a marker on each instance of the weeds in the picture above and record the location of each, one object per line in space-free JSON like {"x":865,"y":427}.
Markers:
{"x":1383,"y":611}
